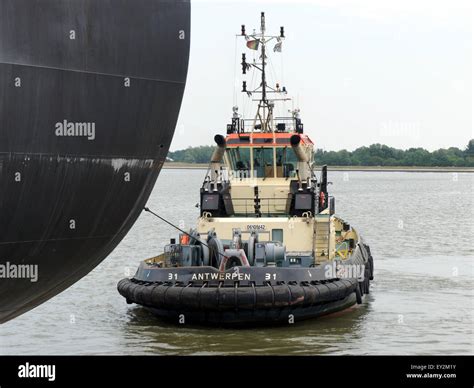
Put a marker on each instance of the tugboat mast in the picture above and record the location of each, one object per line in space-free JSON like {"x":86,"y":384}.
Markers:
{"x":264,"y":113}
{"x":264,"y":81}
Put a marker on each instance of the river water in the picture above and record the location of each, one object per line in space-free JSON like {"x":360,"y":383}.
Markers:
{"x":420,"y":227}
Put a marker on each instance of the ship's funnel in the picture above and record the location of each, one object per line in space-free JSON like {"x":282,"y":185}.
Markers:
{"x":295,"y":142}
{"x":218,"y":153}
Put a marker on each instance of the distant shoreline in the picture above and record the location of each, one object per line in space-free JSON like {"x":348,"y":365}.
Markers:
{"x":204,"y":166}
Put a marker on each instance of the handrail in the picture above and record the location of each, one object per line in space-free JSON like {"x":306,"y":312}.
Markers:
{"x":328,"y":204}
{"x":249,"y":124}
{"x":265,"y":203}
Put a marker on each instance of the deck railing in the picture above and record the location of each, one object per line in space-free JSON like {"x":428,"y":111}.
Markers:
{"x":281,"y":124}
{"x":268,"y":206}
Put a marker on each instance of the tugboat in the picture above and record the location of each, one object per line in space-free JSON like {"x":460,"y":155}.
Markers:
{"x":268,"y":247}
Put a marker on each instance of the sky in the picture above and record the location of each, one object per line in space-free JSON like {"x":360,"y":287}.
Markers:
{"x":361,"y":72}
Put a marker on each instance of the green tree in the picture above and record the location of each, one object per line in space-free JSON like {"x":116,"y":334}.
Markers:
{"x":374,"y":155}
{"x":470,"y":147}
{"x":200,"y":154}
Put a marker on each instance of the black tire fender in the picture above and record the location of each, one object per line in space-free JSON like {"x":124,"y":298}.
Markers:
{"x":358,"y":294}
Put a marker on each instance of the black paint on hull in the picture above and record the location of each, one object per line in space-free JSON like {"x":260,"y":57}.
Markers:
{"x":67,"y":201}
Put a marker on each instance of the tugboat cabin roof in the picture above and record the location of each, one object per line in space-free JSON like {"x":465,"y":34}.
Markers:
{"x":259,"y":139}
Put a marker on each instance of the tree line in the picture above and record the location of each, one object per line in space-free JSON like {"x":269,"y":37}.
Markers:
{"x":374,"y":155}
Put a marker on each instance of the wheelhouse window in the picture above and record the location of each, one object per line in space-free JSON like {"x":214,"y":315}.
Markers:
{"x":239,"y":159}
{"x":268,"y":162}
{"x":285,"y":162}
{"x":263,"y":162}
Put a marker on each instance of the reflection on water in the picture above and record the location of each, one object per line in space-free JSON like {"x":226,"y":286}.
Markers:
{"x":420,"y":229}
{"x":308,"y":337}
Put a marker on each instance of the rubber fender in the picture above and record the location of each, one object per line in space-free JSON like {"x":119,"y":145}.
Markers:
{"x":139,"y":291}
{"x":337,"y":292}
{"x":209,"y":298}
{"x":227,"y":299}
{"x":350,"y":286}
{"x":122,"y":287}
{"x":264,"y":297}
{"x":297,"y":295}
{"x":146,"y":295}
{"x":282,"y":295}
{"x":358,"y":294}
{"x":367,"y":281}
{"x":158,"y":296}
{"x":172,"y":297}
{"x":324,"y":293}
{"x":190,"y":298}
{"x":246,"y":298}
{"x":371,"y":261}
{"x":133,"y":291}
{"x":311,"y":294}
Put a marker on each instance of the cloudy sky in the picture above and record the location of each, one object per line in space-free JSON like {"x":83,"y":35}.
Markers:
{"x":362,"y":72}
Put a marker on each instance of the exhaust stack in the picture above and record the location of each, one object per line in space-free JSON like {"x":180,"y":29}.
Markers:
{"x":218,"y":153}
{"x":295,"y":142}
{"x":216,"y":160}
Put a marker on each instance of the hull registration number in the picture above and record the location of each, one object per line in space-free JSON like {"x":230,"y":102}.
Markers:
{"x":256,"y":227}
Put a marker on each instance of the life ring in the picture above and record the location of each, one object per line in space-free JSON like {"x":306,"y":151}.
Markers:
{"x":184,"y":239}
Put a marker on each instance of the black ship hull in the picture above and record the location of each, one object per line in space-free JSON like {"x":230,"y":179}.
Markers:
{"x":90,"y":93}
